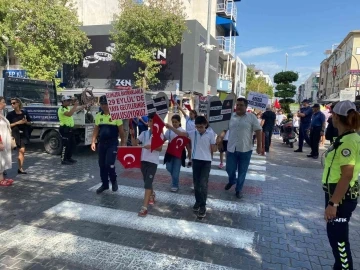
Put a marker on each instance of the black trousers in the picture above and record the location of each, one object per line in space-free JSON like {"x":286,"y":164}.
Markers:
{"x":303,"y":135}
{"x":68,"y":141}
{"x":107,"y":158}
{"x":338,"y":234}
{"x":201,"y":172}
{"x":315,"y":140}
{"x":268,"y":133}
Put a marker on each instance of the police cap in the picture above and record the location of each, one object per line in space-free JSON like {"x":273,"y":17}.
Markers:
{"x":103,"y":100}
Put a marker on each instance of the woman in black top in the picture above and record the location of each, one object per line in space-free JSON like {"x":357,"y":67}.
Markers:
{"x":19,"y":122}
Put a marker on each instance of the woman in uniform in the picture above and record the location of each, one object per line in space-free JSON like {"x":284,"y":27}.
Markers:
{"x":340,"y":181}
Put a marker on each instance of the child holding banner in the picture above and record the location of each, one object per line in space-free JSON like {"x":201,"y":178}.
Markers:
{"x":173,"y":164}
{"x":203,"y":145}
{"x":149,"y":163}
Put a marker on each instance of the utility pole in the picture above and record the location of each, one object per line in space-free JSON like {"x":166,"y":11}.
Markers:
{"x":207,"y":48}
{"x":286,"y":60}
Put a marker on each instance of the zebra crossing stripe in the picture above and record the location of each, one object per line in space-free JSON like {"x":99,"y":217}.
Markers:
{"x":249,"y":176}
{"x":83,"y":251}
{"x":251,"y":166}
{"x":188,"y":201}
{"x":206,"y":233}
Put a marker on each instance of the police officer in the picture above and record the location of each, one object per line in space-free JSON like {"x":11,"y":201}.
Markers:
{"x":317,"y":128}
{"x":108,"y":132}
{"x":305,"y":114}
{"x":66,"y":129}
{"x":340,"y":181}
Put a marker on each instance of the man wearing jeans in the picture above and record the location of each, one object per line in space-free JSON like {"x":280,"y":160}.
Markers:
{"x":241,"y":128}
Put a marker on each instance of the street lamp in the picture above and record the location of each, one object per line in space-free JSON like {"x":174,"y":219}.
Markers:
{"x":207,"y":48}
{"x":357,"y":73}
{"x":259,"y":84}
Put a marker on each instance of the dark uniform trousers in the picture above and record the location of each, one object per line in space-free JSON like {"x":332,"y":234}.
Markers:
{"x":338,"y":234}
{"x":107,"y":157}
{"x":303,"y":135}
{"x":315,"y":140}
{"x":68,"y":142}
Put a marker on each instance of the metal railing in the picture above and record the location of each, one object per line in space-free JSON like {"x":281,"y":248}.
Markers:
{"x":228,"y":7}
{"x":226,"y":44}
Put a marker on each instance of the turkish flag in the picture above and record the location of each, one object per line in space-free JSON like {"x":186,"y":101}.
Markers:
{"x":129,"y":157}
{"x":157,"y":138}
{"x":172,"y":99}
{"x":277,"y":104}
{"x":187,"y":106}
{"x":177,"y":145}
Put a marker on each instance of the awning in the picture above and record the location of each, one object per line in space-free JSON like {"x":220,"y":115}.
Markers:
{"x":227,"y":25}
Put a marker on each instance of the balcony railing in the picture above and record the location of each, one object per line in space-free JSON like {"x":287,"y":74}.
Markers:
{"x":227,"y":8}
{"x":226,"y":44}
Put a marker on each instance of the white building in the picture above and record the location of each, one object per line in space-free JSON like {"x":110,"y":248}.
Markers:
{"x":239,"y":85}
{"x":267,"y":78}
{"x":312,"y":86}
{"x":95,"y":12}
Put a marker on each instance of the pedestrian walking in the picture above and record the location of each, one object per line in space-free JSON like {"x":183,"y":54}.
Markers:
{"x":222,"y":141}
{"x":340,"y":182}
{"x":305,"y":114}
{"x":149,"y":163}
{"x":66,"y":119}
{"x":203,"y":145}
{"x":268,"y":122}
{"x":190,"y":126}
{"x":20,"y":123}
{"x":317,"y":129}
{"x":331,"y":132}
{"x":5,"y":145}
{"x":296,"y":123}
{"x":108,"y":132}
{"x":173,"y":164}
{"x":242,"y":125}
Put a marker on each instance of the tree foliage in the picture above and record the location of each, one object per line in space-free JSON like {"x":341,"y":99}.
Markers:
{"x":140,"y":30}
{"x":286,"y":90}
{"x":44,"y":35}
{"x":259,"y":84}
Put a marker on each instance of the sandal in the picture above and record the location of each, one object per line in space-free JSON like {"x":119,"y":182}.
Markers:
{"x":152,"y":199}
{"x":6,"y":182}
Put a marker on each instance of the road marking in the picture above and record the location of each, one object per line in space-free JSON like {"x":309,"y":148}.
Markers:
{"x":188,"y":201}
{"x":249,"y":176}
{"x":206,"y":233}
{"x":84,"y":251}
{"x":251,"y":166}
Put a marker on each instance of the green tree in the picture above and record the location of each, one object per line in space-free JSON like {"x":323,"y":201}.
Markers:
{"x":259,"y":84}
{"x":44,"y":35}
{"x":140,"y":30}
{"x":4,"y":7}
{"x":286,"y":90}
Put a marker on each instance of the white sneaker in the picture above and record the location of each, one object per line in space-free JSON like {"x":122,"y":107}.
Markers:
{"x":192,"y":187}
{"x":174,"y":189}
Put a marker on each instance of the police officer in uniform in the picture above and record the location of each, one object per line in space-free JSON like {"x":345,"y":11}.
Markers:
{"x":305,"y":114}
{"x":340,"y":181}
{"x":66,"y":129}
{"x":108,"y":132}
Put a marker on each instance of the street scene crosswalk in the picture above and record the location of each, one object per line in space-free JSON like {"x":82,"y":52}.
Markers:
{"x":88,"y":253}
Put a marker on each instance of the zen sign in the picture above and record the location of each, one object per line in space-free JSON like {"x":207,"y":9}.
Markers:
{"x":258,"y":100}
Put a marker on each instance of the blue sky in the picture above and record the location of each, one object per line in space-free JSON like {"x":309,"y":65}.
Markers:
{"x":304,"y":29}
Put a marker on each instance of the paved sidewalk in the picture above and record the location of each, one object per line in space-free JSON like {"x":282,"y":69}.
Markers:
{"x":53,"y":219}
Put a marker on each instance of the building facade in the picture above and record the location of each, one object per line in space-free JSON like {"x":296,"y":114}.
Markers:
{"x":312,"y":87}
{"x":341,"y":69}
{"x":301,"y":93}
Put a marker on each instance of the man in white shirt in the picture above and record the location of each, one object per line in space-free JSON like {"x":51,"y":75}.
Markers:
{"x":242,"y":125}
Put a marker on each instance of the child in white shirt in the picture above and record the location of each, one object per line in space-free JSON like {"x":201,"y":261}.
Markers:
{"x":149,"y":163}
{"x":203,"y":145}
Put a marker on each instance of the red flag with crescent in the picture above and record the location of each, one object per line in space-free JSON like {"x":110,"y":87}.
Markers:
{"x":157,"y":139}
{"x":129,"y":157}
{"x":177,"y":145}
{"x":172,"y":99}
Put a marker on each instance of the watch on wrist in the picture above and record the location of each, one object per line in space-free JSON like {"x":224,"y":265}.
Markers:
{"x":333,"y":204}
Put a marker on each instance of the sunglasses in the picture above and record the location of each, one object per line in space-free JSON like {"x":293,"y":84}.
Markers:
{"x":13,"y":103}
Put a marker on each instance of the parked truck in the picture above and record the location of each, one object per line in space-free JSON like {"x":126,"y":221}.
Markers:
{"x":40,"y":100}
